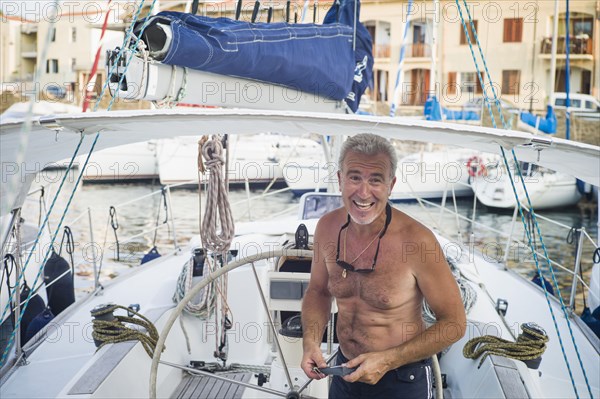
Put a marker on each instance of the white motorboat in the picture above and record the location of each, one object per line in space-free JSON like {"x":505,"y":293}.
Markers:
{"x":546,"y":188}
{"x":257,"y":160}
{"x":128,"y":162}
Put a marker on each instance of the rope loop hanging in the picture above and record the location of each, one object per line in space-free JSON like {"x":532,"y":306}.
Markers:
{"x":596,"y":256}
{"x":163,"y":193}
{"x":218,"y":210}
{"x":114,"y":223}
{"x":572,"y":235}
{"x":69,"y":246}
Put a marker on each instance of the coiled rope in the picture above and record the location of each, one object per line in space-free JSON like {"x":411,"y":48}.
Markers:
{"x":205,"y":299}
{"x":530,"y":345}
{"x":114,"y":331}
{"x":217,"y":202}
{"x":467,"y":294}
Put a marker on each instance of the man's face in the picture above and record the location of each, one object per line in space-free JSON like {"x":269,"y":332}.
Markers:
{"x":366,"y":185}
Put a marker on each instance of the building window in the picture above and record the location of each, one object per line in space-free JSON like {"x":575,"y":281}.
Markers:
{"x":451,"y":83}
{"x":513,"y":30}
{"x":53,"y":35}
{"x":73,"y":34}
{"x":381,"y":89}
{"x":73,"y":64}
{"x":463,"y":39}
{"x":470,"y":83}
{"x":511,"y":80}
{"x":52,"y":66}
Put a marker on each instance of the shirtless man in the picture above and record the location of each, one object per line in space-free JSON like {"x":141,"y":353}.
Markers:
{"x":379,"y":264}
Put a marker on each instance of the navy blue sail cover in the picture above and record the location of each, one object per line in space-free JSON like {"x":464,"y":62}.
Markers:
{"x":318,"y":59}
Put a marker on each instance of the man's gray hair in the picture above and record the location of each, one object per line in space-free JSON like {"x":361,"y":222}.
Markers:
{"x":369,"y":144}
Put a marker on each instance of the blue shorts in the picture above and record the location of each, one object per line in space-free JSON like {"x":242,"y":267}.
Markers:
{"x":414,"y":380}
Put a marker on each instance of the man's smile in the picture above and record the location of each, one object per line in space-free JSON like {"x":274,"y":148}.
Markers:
{"x":363,"y":205}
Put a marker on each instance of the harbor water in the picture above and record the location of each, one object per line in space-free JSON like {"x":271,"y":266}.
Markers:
{"x":175,"y":218}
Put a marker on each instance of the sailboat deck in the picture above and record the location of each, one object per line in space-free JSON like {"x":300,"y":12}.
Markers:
{"x":199,"y":386}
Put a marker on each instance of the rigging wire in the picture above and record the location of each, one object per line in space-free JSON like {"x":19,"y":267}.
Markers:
{"x":53,"y":237}
{"x":528,"y":232}
{"x":11,"y":191}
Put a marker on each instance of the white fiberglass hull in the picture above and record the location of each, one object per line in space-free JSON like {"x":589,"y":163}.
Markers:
{"x":66,"y":362}
{"x":546,"y":190}
{"x":129,"y":162}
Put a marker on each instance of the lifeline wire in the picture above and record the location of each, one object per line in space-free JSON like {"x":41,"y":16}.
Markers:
{"x":53,"y":238}
{"x":529,"y":203}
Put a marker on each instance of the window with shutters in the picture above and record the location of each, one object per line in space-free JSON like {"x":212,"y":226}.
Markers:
{"x":52,"y":66}
{"x":463,"y":39}
{"x":452,"y":84}
{"x":511,"y":80}
{"x":513,"y":30}
{"x":470,"y":83}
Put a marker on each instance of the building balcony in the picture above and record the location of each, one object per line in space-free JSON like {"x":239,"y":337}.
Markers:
{"x":381,"y":50}
{"x":29,"y":27}
{"x":580,"y":47}
{"x":29,"y":53}
{"x":418,"y":50}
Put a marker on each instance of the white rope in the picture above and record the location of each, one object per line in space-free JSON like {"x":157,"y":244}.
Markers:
{"x":467,"y":294}
{"x":204,"y":301}
{"x":217,"y":201}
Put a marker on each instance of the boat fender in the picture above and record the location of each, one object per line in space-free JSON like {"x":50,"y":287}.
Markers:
{"x":536,"y":279}
{"x":35,"y":306}
{"x":151,"y":255}
{"x":58,"y":278}
{"x":592,"y":319}
{"x":199,"y":257}
{"x":40,"y":321}
{"x":584,"y":189}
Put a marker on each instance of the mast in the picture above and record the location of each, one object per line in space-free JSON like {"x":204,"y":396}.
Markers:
{"x":554,"y":46}
{"x":533,"y":56}
{"x":567,"y":76}
{"x":398,"y":86}
{"x":434,"y":33}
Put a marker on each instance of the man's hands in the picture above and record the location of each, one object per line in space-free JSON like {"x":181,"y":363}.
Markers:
{"x":313,"y":358}
{"x":370,"y":367}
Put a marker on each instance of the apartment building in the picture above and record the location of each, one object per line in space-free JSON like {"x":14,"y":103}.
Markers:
{"x":19,"y":49}
{"x":70,"y":45}
{"x":515,"y":37}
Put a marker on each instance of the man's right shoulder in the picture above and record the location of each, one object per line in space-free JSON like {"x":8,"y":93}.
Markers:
{"x":330,"y":221}
{"x":331,"y":217}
